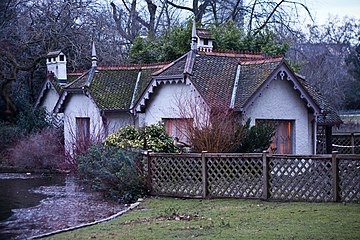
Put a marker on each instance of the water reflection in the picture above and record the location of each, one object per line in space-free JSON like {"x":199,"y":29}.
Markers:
{"x":14,"y":189}
{"x":36,"y":204}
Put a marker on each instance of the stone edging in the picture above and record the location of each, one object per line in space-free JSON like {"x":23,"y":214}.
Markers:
{"x":132,"y":206}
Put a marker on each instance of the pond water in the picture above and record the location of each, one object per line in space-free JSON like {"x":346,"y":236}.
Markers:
{"x":31,"y":205}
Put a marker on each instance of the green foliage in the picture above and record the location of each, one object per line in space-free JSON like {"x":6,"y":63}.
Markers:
{"x":28,"y":122}
{"x":115,"y":172}
{"x":167,"y":47}
{"x":31,"y":120}
{"x":9,"y":134}
{"x":176,"y":42}
{"x":256,"y":138}
{"x":352,"y":98}
{"x":143,"y":51}
{"x":229,"y":37}
{"x":152,"y":137}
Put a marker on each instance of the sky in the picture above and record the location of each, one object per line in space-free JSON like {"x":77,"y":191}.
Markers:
{"x":322,"y":8}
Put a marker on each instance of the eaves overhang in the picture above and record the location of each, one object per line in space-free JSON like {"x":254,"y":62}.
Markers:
{"x":47,"y":85}
{"x":155,"y":82}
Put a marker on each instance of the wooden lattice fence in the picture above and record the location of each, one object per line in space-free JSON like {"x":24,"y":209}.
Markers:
{"x":346,"y":143}
{"x":319,"y":178}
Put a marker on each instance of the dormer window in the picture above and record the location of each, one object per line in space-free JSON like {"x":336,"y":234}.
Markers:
{"x":62,"y":58}
{"x":54,"y":60}
{"x":49,"y":59}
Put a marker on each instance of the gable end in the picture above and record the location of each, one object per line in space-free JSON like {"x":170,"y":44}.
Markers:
{"x":283,"y":73}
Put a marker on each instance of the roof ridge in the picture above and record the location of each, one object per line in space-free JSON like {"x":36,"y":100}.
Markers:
{"x":132,"y":66}
{"x":241,"y":54}
{"x":171,"y":63}
{"x":232,"y":52}
{"x":260,"y":61}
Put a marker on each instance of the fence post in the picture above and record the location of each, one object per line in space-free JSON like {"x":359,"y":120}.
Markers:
{"x":149,"y":172}
{"x":204,"y":174}
{"x":265,"y":175}
{"x":352,"y":140}
{"x":335,"y":176}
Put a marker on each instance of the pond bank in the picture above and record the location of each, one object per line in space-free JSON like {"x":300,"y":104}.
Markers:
{"x":64,"y":204}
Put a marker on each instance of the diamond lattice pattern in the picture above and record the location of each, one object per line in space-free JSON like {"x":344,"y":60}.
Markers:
{"x":235,"y":177}
{"x":176,"y":176}
{"x":349,"y":176}
{"x":300,"y":179}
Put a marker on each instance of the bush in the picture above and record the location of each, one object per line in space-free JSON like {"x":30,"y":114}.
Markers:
{"x":115,"y":172}
{"x":257,"y":138}
{"x":42,"y":150}
{"x":28,"y":121}
{"x":152,"y":137}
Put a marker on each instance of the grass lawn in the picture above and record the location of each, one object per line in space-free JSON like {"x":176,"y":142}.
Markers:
{"x":169,"y":218}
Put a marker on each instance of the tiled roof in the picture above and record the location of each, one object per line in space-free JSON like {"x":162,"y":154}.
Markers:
{"x":175,"y":68}
{"x":213,"y":74}
{"x":79,"y":82}
{"x":114,"y":87}
{"x":329,"y":115}
{"x":252,"y":76}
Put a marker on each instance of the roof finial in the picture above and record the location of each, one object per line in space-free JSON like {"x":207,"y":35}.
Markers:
{"x":93,"y":55}
{"x":193,"y":37}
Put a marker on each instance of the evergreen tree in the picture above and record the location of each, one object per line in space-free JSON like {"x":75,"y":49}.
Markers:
{"x":352,"y":98}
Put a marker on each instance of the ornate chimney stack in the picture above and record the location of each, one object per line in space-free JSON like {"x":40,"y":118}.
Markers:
{"x":201,"y":39}
{"x":56,"y":63}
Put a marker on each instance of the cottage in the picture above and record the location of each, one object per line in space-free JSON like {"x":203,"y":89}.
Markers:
{"x":258,"y":87}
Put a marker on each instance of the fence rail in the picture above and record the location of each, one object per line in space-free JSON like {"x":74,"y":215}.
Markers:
{"x":320,"y":178}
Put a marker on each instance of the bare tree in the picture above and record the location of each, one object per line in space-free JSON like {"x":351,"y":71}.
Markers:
{"x":322,"y":53}
{"x":30,"y":29}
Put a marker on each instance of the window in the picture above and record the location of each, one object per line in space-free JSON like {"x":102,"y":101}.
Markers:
{"x":206,"y":41}
{"x":177,"y":127}
{"x":283,"y":139}
{"x":62,"y":58}
{"x":83,"y":130}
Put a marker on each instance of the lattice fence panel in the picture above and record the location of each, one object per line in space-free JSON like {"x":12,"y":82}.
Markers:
{"x":357,"y":143}
{"x":321,"y":140}
{"x":239,"y":177}
{"x":176,"y":176}
{"x":341,"y":144}
{"x":349,"y":180}
{"x":300,"y":179}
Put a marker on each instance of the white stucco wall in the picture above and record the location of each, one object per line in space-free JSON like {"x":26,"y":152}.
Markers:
{"x":171,"y":101}
{"x":281,"y":102}
{"x":118,"y":120}
{"x":80,"y":105}
{"x":50,"y":99}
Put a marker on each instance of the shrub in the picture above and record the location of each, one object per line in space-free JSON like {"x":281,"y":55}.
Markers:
{"x":28,"y":121}
{"x":115,"y":172}
{"x":152,"y":137}
{"x":42,"y":150}
{"x":257,"y":138}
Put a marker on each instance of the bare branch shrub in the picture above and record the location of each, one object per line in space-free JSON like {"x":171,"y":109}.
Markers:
{"x":42,"y":150}
{"x":215,"y":130}
{"x":221,"y":133}
{"x":75,"y":146}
